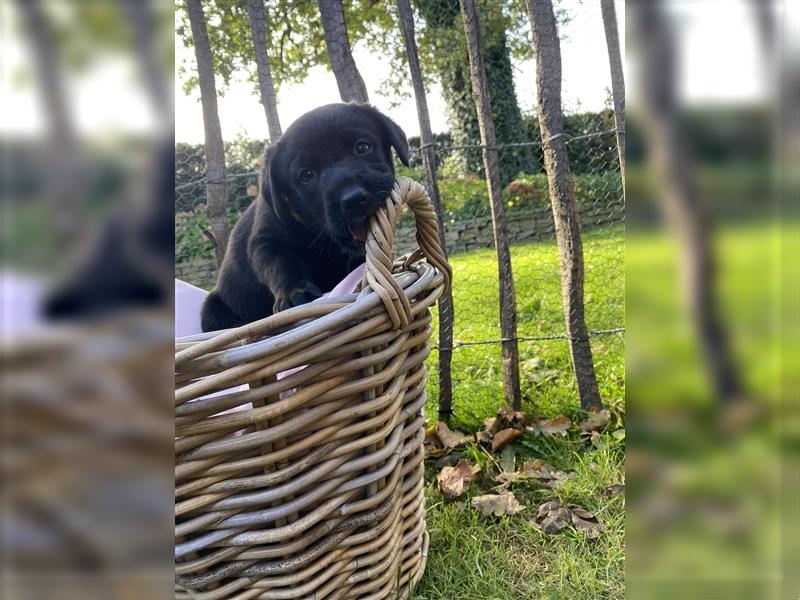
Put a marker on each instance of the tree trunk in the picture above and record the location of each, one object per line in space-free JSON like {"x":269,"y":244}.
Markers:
{"x":680,"y":199}
{"x":143,"y":23}
{"x":348,"y":79}
{"x":617,"y":78}
{"x":65,"y":173}
{"x":547,"y":48}
{"x":258,"y":25}
{"x":508,"y":304}
{"x":216,"y":184}
{"x":429,"y":164}
{"x":764,"y":16}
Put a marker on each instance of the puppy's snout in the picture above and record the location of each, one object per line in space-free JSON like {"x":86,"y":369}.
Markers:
{"x":354,"y":200}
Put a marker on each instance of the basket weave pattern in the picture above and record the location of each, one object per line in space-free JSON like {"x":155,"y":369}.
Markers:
{"x":311,"y":485}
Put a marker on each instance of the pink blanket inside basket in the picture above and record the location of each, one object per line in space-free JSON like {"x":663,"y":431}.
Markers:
{"x":189,"y":299}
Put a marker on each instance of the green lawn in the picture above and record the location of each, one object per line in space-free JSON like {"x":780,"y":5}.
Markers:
{"x":548,"y":384}
{"x":718,"y":497}
{"x":475,"y":557}
{"x":705,"y":514}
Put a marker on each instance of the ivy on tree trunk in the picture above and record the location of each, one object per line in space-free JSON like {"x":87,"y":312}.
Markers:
{"x":453,"y":72}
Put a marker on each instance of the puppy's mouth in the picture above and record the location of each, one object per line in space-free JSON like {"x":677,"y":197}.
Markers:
{"x":359,"y":231}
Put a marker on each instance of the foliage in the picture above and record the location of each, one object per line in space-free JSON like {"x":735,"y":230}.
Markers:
{"x":191,"y":243}
{"x":443,"y":52}
{"x":297,"y":44}
{"x":87,"y":32}
{"x":295,"y":38}
{"x":586,"y":154}
{"x":241,"y":158}
{"x":467,"y":197}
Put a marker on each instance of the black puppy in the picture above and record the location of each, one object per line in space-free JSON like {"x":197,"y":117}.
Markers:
{"x":318,"y":187}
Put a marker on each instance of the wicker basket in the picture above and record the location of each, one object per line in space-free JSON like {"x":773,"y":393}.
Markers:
{"x":310,"y":484}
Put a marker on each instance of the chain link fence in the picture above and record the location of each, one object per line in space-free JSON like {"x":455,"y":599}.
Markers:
{"x":546,"y":373}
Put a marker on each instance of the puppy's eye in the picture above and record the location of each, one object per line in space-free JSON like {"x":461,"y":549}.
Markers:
{"x":363,"y":147}
{"x":305,"y":175}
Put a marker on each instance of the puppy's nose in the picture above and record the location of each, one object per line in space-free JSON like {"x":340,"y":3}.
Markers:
{"x":353,"y":200}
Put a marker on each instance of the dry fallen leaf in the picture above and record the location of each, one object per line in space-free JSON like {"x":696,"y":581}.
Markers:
{"x":515,"y":419}
{"x":558,"y":478}
{"x":492,"y":424}
{"x":596,"y":420}
{"x":453,"y":481}
{"x":506,"y":478}
{"x":504,"y":437}
{"x":596,"y":440}
{"x":484,"y":436}
{"x":433,"y":447}
{"x":617,"y":488}
{"x":497,"y":504}
{"x":585,"y":521}
{"x":536,"y":469}
{"x":451,"y":439}
{"x":552,"y":517}
{"x":434,"y":452}
{"x":557,"y":426}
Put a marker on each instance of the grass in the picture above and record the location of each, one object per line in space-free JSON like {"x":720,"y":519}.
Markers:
{"x":476,"y":557}
{"x":548,"y":385}
{"x":721,"y":493}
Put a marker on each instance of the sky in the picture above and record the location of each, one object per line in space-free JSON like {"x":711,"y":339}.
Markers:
{"x":717,"y":39}
{"x":585,"y":67}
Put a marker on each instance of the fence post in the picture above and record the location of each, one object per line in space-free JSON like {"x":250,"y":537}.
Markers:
{"x":446,"y":314}
{"x":547,"y":49}
{"x":508,"y":303}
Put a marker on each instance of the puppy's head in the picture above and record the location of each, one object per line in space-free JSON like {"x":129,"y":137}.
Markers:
{"x":333,"y":168}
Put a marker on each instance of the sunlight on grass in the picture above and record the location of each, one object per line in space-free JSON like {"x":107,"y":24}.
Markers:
{"x":486,"y":558}
{"x":548,"y":384}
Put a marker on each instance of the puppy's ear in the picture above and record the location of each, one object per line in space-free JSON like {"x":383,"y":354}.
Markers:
{"x":269,"y":184}
{"x":396,"y":137}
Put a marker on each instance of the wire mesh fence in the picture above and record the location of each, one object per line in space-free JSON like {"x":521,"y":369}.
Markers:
{"x":546,"y":372}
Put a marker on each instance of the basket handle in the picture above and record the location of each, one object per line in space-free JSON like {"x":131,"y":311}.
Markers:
{"x":380,"y":244}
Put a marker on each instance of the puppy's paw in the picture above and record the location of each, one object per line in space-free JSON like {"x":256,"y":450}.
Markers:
{"x":295,"y":297}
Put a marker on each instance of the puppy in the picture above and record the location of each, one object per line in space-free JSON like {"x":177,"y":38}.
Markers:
{"x":318,"y":187}
{"x":130,"y":262}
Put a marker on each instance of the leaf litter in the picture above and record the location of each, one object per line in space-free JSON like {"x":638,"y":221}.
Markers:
{"x":550,"y":427}
{"x":497,"y":504}
{"x":504,"y":437}
{"x":553,"y":516}
{"x":453,"y":481}
{"x":451,"y":438}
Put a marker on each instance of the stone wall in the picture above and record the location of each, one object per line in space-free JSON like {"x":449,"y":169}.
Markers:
{"x":523,"y":226}
{"x":460,"y":236}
